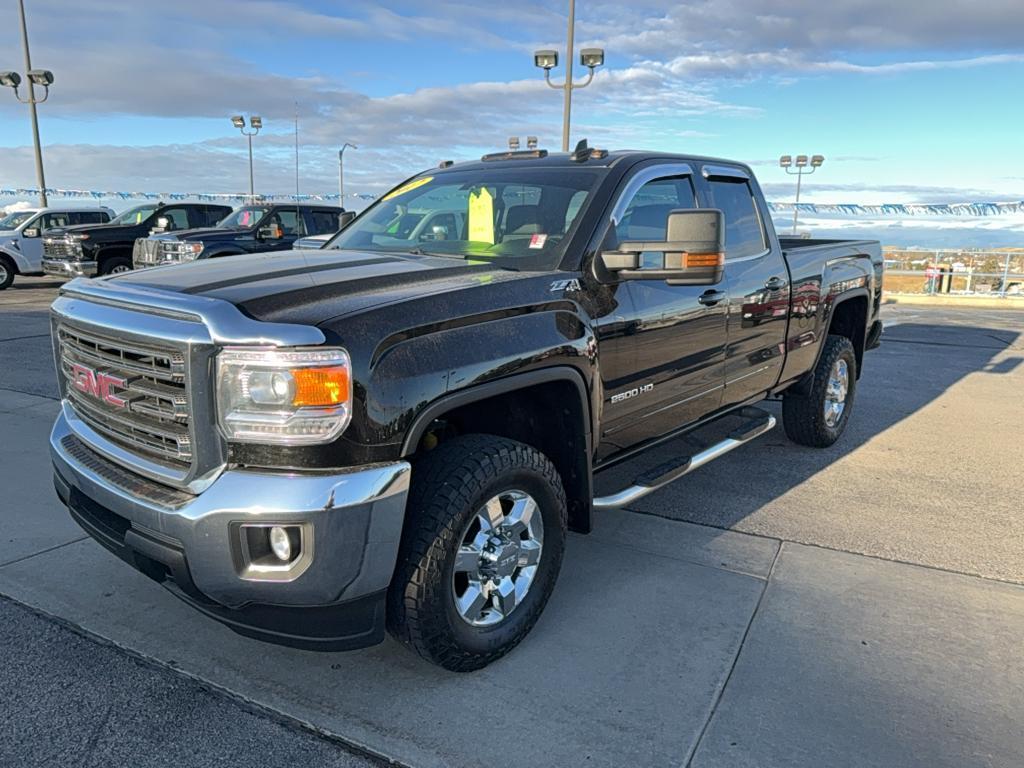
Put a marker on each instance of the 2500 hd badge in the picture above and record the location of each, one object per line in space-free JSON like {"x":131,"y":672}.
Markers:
{"x":396,"y":431}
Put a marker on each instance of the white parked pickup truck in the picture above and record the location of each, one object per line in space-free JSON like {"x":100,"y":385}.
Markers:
{"x":21,"y":236}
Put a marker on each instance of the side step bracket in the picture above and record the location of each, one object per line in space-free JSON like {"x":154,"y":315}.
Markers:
{"x":758,"y":423}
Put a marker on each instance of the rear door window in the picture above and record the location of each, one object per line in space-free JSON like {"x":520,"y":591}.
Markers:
{"x":323,"y":222}
{"x":744,"y":235}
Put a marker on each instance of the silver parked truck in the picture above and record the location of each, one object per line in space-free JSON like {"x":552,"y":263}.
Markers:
{"x":21,"y":236}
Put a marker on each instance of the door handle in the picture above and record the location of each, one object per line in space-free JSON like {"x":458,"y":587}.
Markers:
{"x":710,"y":298}
{"x":775,"y":284}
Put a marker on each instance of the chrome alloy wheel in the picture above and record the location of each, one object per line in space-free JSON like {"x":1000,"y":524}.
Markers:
{"x":120,"y":269}
{"x":3,"y":273}
{"x":498,"y":557}
{"x":835,"y":393}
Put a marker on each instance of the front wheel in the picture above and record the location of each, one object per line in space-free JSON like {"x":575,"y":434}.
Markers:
{"x":7,"y":273}
{"x":818,"y":418}
{"x":480,"y":553}
{"x":116,"y":266}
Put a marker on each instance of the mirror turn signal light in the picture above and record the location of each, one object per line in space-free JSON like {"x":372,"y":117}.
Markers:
{"x":691,"y":260}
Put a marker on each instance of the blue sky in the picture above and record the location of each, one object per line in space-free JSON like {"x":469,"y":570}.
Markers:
{"x":906,"y":105}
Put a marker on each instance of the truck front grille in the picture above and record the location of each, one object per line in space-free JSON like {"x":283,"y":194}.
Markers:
{"x":154,"y":418}
{"x":146,"y":252}
{"x":61,"y":248}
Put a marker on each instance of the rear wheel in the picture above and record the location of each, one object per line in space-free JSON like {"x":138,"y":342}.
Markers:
{"x":7,"y":272}
{"x":480,"y":553}
{"x":818,"y":418}
{"x":116,"y":266}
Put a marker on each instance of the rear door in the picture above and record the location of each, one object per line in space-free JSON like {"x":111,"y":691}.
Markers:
{"x":671,"y":348}
{"x":757,"y":280}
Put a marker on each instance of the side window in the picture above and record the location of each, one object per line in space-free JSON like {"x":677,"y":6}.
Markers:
{"x":178,"y":218}
{"x":89,"y":217}
{"x":646,"y":216}
{"x":53,"y":220}
{"x":214,"y":214}
{"x":323,"y":222}
{"x":288,"y":220}
{"x":744,"y":235}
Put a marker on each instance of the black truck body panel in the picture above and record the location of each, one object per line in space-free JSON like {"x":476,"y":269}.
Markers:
{"x":420,"y":328}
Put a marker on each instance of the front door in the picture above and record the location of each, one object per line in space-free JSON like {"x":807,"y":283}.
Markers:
{"x":675,"y":334}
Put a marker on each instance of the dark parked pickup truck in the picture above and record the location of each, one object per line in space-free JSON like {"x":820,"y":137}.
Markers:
{"x":249,"y":229}
{"x":106,"y":249}
{"x":397,"y":431}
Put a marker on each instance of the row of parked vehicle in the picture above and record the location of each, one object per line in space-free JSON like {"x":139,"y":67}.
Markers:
{"x":76,"y":242}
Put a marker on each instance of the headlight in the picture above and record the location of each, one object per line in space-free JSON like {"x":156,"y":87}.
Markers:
{"x":178,"y":250}
{"x":284,"y":397}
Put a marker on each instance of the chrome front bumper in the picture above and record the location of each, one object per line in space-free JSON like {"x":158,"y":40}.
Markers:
{"x":69,"y":268}
{"x":351,"y":522}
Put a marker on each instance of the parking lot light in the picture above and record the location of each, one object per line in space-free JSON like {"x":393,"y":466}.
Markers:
{"x":42,"y":78}
{"x":255,"y":123}
{"x":801,"y":167}
{"x":591,"y":58}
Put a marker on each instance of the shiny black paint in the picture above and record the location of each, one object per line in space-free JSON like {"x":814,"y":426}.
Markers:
{"x":420,"y":328}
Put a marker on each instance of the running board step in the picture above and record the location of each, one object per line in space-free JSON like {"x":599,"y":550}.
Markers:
{"x":758,"y":423}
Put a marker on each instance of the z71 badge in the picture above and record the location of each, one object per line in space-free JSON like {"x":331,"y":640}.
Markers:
{"x":565,"y":285}
{"x":630,"y":394}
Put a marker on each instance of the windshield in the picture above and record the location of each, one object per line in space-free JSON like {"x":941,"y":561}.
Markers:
{"x":246,"y":216}
{"x":136,"y":215}
{"x":516,"y":217}
{"x":16,"y":219}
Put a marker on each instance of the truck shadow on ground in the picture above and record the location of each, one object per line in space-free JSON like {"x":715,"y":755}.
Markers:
{"x":914,"y":367}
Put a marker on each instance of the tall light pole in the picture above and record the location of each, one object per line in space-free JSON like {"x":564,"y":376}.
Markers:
{"x":40,"y":77}
{"x":801,"y":165}
{"x":548,"y":60}
{"x":341,"y":172}
{"x":255,"y":123}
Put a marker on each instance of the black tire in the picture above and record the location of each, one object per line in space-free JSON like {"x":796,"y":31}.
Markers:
{"x":803,"y":416}
{"x":7,"y":272}
{"x":109,"y":266}
{"x":449,"y":486}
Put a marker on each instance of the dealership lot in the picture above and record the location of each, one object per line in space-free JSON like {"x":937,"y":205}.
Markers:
{"x":861,"y":605}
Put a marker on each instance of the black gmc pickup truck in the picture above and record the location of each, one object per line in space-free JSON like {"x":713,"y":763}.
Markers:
{"x":398,"y":430}
{"x":249,"y":229}
{"x":106,"y":249}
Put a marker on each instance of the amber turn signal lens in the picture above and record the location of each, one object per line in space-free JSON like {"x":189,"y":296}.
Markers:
{"x":703,"y":259}
{"x":320,"y":386}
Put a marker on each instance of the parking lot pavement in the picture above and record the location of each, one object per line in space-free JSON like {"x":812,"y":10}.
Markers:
{"x":721,"y":643}
{"x":72,"y":701}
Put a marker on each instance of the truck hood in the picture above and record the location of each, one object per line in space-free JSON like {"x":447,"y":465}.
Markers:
{"x":97,"y":229}
{"x":312,"y":286}
{"x":206,"y":234}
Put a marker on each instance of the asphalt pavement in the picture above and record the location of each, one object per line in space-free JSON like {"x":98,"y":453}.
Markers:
{"x":857,"y":606}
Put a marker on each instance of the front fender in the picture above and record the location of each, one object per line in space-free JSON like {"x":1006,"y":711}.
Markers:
{"x":20,"y":262}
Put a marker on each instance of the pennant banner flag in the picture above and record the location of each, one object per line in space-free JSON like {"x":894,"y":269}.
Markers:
{"x":848,"y":209}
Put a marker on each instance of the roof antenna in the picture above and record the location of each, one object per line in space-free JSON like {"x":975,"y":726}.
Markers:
{"x":582,"y":152}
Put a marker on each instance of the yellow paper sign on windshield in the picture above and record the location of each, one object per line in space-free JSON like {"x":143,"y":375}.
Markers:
{"x":408,"y":187}
{"x":481,"y":216}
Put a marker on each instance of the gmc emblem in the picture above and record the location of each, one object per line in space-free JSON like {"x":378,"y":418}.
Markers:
{"x":98,"y":384}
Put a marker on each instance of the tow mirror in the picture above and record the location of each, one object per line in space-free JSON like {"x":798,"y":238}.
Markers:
{"x":271,"y":232}
{"x":345,"y":218}
{"x":693,"y":252}
{"x":33,"y":232}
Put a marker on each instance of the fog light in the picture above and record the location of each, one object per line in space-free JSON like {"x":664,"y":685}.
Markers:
{"x":280,"y":544}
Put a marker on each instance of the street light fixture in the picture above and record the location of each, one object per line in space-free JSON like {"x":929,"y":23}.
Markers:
{"x":800,"y":162}
{"x":591,"y":58}
{"x":255,"y":123}
{"x":42,"y":78}
{"x":341,"y":172}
